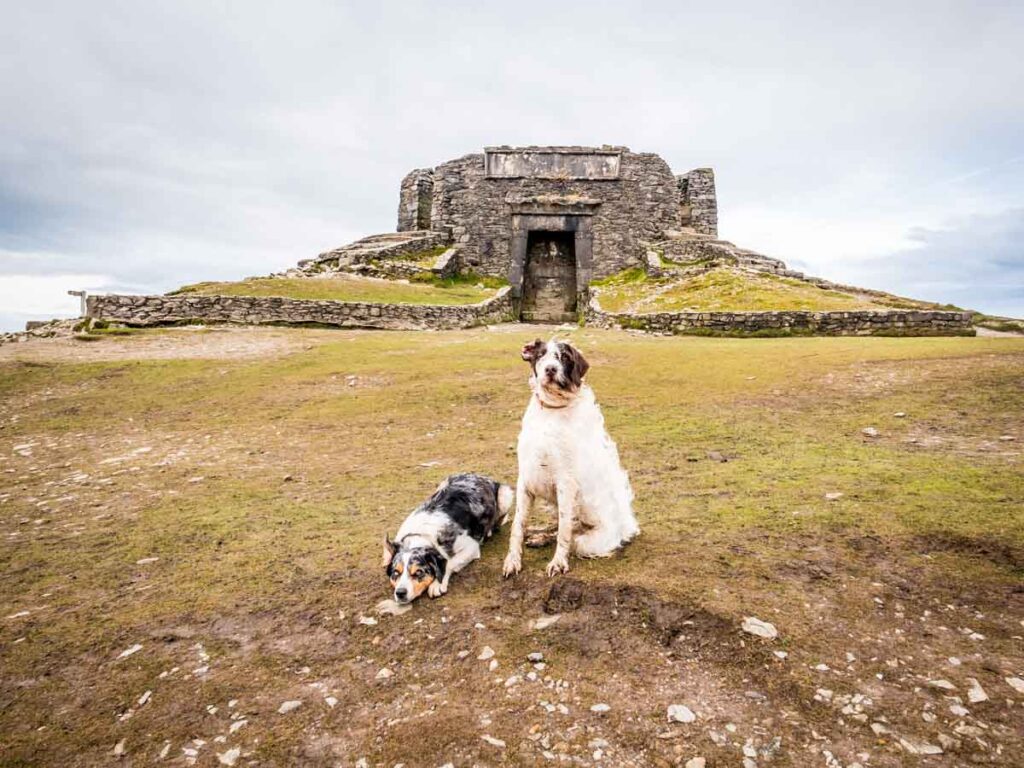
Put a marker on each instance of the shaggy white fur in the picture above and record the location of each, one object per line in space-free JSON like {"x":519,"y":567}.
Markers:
{"x":567,"y":457}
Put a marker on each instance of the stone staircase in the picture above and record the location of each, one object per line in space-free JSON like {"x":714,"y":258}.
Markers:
{"x":375,"y":248}
{"x":688,"y":252}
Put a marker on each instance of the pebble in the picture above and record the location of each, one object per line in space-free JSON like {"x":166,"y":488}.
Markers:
{"x":486,"y":653}
{"x":462,"y":654}
{"x":919,"y":747}
{"x":755,"y":626}
{"x":975,"y":693}
{"x":535,"y":656}
{"x":600,"y":708}
{"x":146,"y":560}
{"x":384,"y":673}
{"x":119,"y":748}
{"x":144,"y":698}
{"x":680,"y":713}
{"x":392,"y":608}
{"x":330,"y":701}
{"x":129,"y":651}
{"x":695,"y":762}
{"x":368,"y":621}
{"x":943,"y":684}
{"x":833,"y":496}
{"x":286,"y":707}
{"x":781,"y":654}
{"x":493,"y":665}
{"x":493,"y":741}
{"x":545,"y":621}
{"x":1016,"y":683}
{"x":229,"y":757}
{"x":869,"y":432}
{"x":236,"y":725}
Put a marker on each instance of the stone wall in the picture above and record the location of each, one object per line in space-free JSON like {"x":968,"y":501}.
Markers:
{"x":253,"y":310}
{"x":638,"y":205}
{"x":895,"y":322}
{"x":698,"y":201}
{"x":414,"y":200}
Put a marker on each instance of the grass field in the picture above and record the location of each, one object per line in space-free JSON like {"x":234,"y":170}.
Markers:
{"x":353,"y":288}
{"x":217,"y":498}
{"x":728,"y":290}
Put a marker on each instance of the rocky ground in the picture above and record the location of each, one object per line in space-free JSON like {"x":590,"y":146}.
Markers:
{"x":830,"y":569}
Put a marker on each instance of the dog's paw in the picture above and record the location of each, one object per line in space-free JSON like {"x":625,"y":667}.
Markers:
{"x":436,"y":589}
{"x":513,"y":564}
{"x":559,"y":564}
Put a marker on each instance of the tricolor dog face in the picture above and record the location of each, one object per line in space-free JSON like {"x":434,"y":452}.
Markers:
{"x":411,"y":570}
{"x":558,"y":367}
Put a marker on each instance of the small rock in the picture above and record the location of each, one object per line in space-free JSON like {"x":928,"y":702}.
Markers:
{"x":695,"y":762}
{"x":146,"y":560}
{"x":943,"y":684}
{"x":599,"y":708}
{"x":919,"y":747}
{"x":330,"y":701}
{"x":493,"y":665}
{"x":236,"y":725}
{"x":535,"y":656}
{"x":384,"y":673}
{"x":959,"y":710}
{"x":129,"y":651}
{"x":716,"y":456}
{"x":545,"y":621}
{"x":1007,"y":438}
{"x":486,"y":653}
{"x":975,"y":694}
{"x":119,"y":748}
{"x":462,"y":654}
{"x":144,"y":698}
{"x":368,"y":621}
{"x":755,"y":626}
{"x":493,"y":741}
{"x":833,"y":496}
{"x":900,"y":415}
{"x":286,"y":707}
{"x":229,"y":757}
{"x":1016,"y":683}
{"x":392,"y":608}
{"x":781,"y":654}
{"x":869,"y":432}
{"x":680,"y":713}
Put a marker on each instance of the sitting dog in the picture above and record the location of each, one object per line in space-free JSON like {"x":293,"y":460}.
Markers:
{"x":567,"y":458}
{"x":443,"y":535}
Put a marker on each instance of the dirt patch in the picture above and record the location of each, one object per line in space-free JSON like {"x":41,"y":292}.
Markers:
{"x":996,"y":551}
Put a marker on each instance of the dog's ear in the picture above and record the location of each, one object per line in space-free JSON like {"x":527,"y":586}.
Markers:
{"x":389,"y":551}
{"x":436,"y":563}
{"x":577,"y":365}
{"x":533,"y":352}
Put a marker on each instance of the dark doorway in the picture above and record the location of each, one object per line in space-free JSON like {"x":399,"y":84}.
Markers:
{"x":549,"y":282}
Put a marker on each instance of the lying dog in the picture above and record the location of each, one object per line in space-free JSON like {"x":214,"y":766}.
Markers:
{"x":443,"y":535}
{"x":567,"y":458}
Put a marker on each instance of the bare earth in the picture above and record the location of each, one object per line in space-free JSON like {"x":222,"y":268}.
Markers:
{"x":190,"y":526}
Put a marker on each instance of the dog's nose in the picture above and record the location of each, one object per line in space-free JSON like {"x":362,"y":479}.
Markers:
{"x":400,"y":594}
{"x":550,"y":370}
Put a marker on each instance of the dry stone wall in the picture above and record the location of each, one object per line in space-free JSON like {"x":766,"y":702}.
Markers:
{"x":637,"y":206}
{"x":254,"y":310}
{"x":896,"y":322}
{"x":699,"y":201}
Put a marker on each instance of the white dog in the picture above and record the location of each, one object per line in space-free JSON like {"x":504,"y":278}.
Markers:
{"x":567,"y":458}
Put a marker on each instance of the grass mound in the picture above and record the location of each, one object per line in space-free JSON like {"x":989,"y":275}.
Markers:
{"x":730,"y":290}
{"x":462,"y":290}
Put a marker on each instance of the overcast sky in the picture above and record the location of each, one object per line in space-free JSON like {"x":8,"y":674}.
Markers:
{"x":145,"y":145}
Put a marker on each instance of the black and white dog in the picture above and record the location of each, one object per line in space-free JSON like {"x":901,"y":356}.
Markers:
{"x":443,"y":535}
{"x":567,"y":458}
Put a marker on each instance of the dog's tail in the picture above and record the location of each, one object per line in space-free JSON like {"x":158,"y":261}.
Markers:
{"x":506,"y":499}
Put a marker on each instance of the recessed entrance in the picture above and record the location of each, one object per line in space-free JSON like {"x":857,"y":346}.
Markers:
{"x":549,"y":282}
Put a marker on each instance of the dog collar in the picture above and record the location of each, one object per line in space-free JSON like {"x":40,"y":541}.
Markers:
{"x":551,"y":407}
